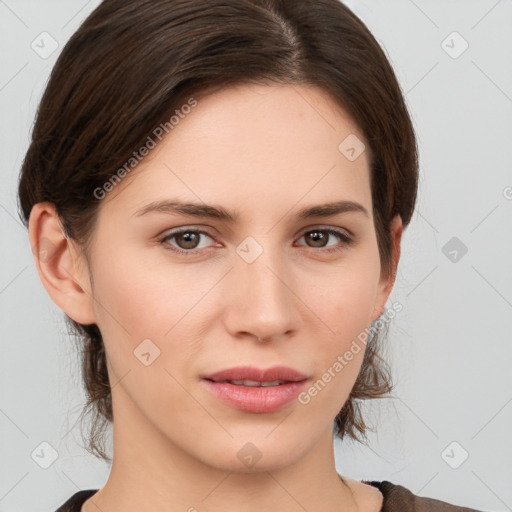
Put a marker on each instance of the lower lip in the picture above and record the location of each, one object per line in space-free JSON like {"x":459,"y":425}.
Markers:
{"x":255,"y":399}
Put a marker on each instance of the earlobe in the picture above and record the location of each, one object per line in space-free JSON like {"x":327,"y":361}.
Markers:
{"x":387,"y":281}
{"x":63,"y":274}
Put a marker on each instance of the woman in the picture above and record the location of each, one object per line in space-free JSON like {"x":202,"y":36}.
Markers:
{"x":216,"y":192}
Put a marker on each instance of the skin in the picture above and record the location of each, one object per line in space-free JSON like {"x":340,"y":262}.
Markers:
{"x":266,"y":152}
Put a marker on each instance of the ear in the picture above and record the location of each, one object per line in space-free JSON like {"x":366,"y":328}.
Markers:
{"x":63,"y":270}
{"x":387,"y":281}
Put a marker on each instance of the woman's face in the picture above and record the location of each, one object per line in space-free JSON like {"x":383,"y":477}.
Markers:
{"x":174,"y":308}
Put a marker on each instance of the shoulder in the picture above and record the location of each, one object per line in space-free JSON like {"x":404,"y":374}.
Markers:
{"x":399,"y":499}
{"x":74,"y":504}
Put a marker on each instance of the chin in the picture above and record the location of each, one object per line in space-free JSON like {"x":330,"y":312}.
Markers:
{"x":256,"y":453}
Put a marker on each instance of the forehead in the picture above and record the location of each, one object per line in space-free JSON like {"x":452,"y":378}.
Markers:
{"x":266,"y":144}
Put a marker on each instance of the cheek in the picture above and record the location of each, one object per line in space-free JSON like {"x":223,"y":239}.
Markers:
{"x":142,"y":295}
{"x":345,"y":297}
{"x":344,"y":302}
{"x":136,"y":301}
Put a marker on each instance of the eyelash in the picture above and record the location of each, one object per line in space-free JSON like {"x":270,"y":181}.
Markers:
{"x":346,"y":240}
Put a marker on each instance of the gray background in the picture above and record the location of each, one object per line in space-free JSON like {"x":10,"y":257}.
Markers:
{"x":450,"y":345}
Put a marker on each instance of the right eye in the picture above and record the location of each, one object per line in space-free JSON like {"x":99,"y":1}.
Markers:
{"x":187,"y":241}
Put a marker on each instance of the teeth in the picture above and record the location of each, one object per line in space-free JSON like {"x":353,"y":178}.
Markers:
{"x":255,"y":383}
{"x":273,"y":383}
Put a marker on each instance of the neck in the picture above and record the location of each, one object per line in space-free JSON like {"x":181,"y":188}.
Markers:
{"x":151,"y":473}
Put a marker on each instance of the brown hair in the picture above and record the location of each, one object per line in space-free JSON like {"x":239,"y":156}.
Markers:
{"x":133,"y":63}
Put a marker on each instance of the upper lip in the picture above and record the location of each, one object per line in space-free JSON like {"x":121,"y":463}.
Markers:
{"x":257,"y":374}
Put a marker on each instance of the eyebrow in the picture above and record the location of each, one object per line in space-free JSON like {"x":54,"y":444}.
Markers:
{"x":218,"y":212}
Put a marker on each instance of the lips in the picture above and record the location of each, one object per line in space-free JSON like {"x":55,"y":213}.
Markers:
{"x":256,"y":390}
{"x":251,"y":375}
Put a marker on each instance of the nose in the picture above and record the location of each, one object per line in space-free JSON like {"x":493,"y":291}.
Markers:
{"x":261,"y":302}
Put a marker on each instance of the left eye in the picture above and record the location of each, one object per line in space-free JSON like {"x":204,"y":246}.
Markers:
{"x":320,"y":236}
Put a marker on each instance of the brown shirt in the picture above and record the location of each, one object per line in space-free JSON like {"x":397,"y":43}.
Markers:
{"x":396,"y":499}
